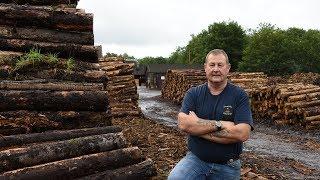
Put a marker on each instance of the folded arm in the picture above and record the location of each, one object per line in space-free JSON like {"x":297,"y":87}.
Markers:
{"x":207,"y":129}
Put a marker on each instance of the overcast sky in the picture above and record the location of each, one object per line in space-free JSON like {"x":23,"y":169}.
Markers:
{"x":157,"y":27}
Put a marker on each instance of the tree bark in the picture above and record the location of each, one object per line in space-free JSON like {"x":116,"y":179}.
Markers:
{"x":40,"y":100}
{"x":7,"y":57}
{"x":40,"y":2}
{"x":20,"y":139}
{"x":45,"y":35}
{"x":91,"y":76}
{"x":312,"y":118}
{"x":53,"y":151}
{"x":47,"y":17}
{"x":41,"y":121}
{"x":142,"y":170}
{"x":7,"y":130}
{"x":54,"y":86}
{"x":77,"y":167}
{"x":63,"y":50}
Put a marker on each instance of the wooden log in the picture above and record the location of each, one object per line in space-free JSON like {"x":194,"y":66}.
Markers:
{"x":311,"y":90}
{"x":40,"y":2}
{"x":21,"y":139}
{"x":300,"y":104}
{"x":61,"y":74}
{"x":7,"y":130}
{"x":312,"y":118}
{"x":142,"y":170}
{"x":53,"y":151}
{"x":63,"y":50}
{"x":9,"y":57}
{"x":311,"y":111}
{"x":41,"y":100}
{"x":40,"y":121}
{"x":315,"y":123}
{"x":45,"y":35}
{"x":47,"y":17}
{"x":77,"y":167}
{"x":54,"y":86}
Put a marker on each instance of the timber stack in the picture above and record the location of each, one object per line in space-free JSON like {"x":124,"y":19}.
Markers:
{"x":179,"y":81}
{"x":62,"y":30}
{"x":50,"y":76}
{"x":121,"y":87}
{"x":306,"y":78}
{"x":290,"y":103}
{"x":72,"y":154}
{"x":63,"y":87}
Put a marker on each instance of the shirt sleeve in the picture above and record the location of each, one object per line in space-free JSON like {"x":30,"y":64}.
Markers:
{"x":188,"y":103}
{"x":243,"y":112}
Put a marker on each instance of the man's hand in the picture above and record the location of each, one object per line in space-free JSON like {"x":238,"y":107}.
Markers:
{"x":190,"y":123}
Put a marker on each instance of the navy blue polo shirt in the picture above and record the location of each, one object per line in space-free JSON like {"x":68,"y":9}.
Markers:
{"x":232,"y":104}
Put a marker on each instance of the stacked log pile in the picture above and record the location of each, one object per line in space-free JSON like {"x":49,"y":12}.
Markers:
{"x":177,"y":82}
{"x":33,"y":106}
{"x":295,"y":103}
{"x":250,"y":82}
{"x":121,"y":87}
{"x":44,"y":97}
{"x":61,"y":30}
{"x":72,"y":154}
{"x":306,"y":78}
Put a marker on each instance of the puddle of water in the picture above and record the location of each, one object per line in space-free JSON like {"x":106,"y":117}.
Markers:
{"x":269,"y":144}
{"x":159,"y":111}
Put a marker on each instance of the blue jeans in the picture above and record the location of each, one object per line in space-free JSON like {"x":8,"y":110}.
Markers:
{"x":192,"y":168}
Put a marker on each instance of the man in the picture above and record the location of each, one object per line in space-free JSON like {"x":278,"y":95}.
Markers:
{"x":217,"y":118}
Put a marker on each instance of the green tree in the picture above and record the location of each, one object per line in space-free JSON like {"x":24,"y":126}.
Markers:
{"x":280,"y":52}
{"x":178,"y":56}
{"x":228,"y":36}
{"x":152,"y":60}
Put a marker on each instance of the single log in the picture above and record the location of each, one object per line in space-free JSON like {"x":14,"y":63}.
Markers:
{"x":7,"y":130}
{"x":45,"y":35}
{"x":312,"y":118}
{"x":54,"y":86}
{"x":40,"y":121}
{"x":40,"y":2}
{"x":27,"y":124}
{"x":315,"y":123}
{"x":8,"y":57}
{"x":306,"y":91}
{"x":53,"y":151}
{"x":300,"y":104}
{"x":20,"y":139}
{"x":63,"y":50}
{"x":311,"y":111}
{"x":77,"y":167}
{"x":61,"y":74}
{"x":54,"y":101}
{"x":47,"y":17}
{"x":142,"y":170}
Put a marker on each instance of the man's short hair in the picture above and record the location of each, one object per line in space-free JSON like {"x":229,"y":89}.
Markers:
{"x":217,"y":52}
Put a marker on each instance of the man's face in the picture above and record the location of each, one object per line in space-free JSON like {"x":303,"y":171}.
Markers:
{"x":216,"y":68}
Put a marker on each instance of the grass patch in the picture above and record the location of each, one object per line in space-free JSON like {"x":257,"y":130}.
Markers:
{"x":34,"y":60}
{"x":71,"y":63}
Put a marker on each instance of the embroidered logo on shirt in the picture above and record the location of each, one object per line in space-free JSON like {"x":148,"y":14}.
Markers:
{"x":227,"y":110}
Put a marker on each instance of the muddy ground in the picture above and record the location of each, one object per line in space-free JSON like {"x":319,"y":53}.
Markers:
{"x":272,"y":152}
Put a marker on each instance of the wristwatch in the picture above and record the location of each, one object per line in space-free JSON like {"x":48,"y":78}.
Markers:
{"x":218,"y":125}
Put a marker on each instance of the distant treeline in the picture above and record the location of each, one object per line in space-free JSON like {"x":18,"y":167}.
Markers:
{"x":268,"y":49}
